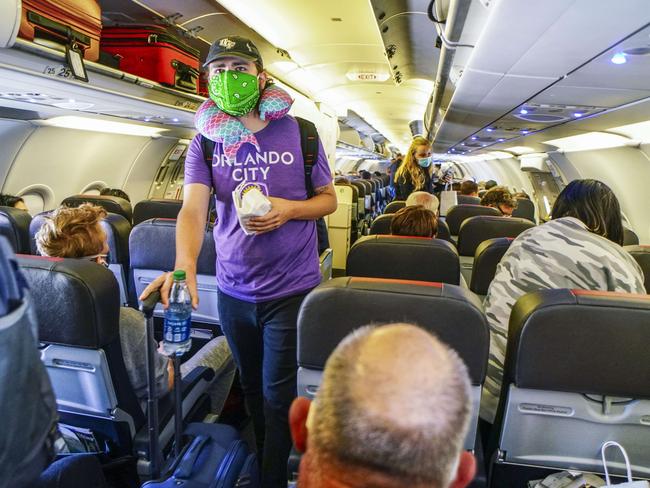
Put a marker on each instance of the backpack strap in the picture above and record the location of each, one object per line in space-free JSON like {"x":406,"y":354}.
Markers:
{"x":207,"y":147}
{"x":309,"y":145}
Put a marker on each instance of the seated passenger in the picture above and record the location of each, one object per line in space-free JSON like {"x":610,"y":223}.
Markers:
{"x":77,"y":233}
{"x":12,"y":201}
{"x":489,"y":184}
{"x":392,"y":411}
{"x":114,"y":192}
{"x":522,"y":194}
{"x":499,"y":197}
{"x":414,"y":221}
{"x":415,"y":172}
{"x":424,"y":199}
{"x":469,"y":188}
{"x":579,"y":248}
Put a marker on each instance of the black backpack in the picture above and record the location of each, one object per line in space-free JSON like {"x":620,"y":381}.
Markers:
{"x":309,"y":144}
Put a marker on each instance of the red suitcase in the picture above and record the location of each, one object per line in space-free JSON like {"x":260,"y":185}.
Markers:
{"x":67,"y":22}
{"x":153,"y":53}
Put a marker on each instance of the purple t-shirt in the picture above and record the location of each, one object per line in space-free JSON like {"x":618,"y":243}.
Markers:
{"x":279,"y":263}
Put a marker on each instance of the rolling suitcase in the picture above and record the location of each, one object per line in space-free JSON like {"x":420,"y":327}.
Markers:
{"x":75,"y":23}
{"x":215,"y":458}
{"x":154,"y":54}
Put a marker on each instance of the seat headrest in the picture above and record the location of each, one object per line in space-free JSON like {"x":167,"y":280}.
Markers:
{"x":458,"y":213}
{"x":487,"y":257}
{"x":467,"y":200}
{"x":402,"y":257}
{"x":117,"y":230}
{"x":156,"y":209}
{"x":360,"y":187}
{"x":394,"y":206}
{"x":77,"y":302}
{"x":642,"y":256}
{"x":153,"y":246}
{"x":381,"y":224}
{"x":525,"y":209}
{"x":335,"y":308}
{"x":14,"y":225}
{"x":111,"y":204}
{"x":475,"y":230}
{"x":629,"y":237}
{"x":580,"y":341}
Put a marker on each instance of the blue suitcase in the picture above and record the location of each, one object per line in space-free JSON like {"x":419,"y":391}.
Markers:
{"x":216,"y":457}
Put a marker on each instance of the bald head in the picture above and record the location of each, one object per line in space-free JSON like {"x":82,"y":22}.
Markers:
{"x":394,"y":401}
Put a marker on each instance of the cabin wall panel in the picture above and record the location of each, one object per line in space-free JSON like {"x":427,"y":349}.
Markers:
{"x":67,"y":160}
{"x":626,"y":170}
{"x":144,"y":168}
{"x":13,"y":134}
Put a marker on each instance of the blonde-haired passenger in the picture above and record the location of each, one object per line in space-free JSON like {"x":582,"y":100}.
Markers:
{"x":414,"y":174}
{"x":76,"y":232}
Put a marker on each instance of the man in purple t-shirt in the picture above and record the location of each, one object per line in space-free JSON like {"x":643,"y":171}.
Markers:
{"x":264,"y":277}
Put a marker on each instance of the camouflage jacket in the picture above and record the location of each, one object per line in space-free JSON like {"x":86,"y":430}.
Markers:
{"x":562,"y":253}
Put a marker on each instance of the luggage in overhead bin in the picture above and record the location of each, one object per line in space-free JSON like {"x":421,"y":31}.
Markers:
{"x":75,"y":23}
{"x":152,"y":52}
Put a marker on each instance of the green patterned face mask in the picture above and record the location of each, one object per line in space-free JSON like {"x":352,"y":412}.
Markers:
{"x":234,"y":92}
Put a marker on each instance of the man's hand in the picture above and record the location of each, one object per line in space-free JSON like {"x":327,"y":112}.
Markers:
{"x":164,"y":284}
{"x":281,"y":212}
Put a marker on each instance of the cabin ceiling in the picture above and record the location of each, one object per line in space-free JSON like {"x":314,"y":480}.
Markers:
{"x":316,"y":47}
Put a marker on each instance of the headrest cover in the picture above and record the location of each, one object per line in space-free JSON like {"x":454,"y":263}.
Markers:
{"x":77,"y":302}
{"x":401,"y":257}
{"x":467,"y":200}
{"x":381,"y":224}
{"x":156,"y":208}
{"x":335,"y":308}
{"x":14,"y":225}
{"x":111,"y":204}
{"x":394,"y":206}
{"x":487,"y":257}
{"x":475,"y":230}
{"x":458,"y":213}
{"x":525,"y":209}
{"x":117,"y":230}
{"x":153,"y":246}
{"x":580,"y":341}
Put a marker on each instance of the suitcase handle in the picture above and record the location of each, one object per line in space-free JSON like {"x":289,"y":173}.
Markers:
{"x":185,"y":77}
{"x":184,"y":470}
{"x":57,"y":29}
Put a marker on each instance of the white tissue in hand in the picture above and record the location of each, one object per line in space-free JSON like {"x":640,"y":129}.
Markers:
{"x":254,"y":203}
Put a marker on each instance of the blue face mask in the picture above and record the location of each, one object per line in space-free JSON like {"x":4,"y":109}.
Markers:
{"x":425,"y":162}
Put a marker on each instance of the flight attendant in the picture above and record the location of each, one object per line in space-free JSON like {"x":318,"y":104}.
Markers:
{"x":262,"y":278}
{"x":414,"y":174}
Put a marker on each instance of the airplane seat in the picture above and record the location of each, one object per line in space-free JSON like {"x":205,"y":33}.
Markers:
{"x":403,"y":257}
{"x":487,"y":257}
{"x":111,"y":204}
{"x":457,"y":214}
{"x":77,"y":307}
{"x":156,"y":208}
{"x":525,"y":209}
{"x":642,"y":256}
{"x":381,"y":224}
{"x":394,"y":206}
{"x":117,"y":230}
{"x":14,"y":225}
{"x":474,"y":230}
{"x":629,"y":237}
{"x":370,"y":197}
{"x":153,"y":251}
{"x":334,"y":309}
{"x":443,"y":231}
{"x":467,"y":200}
{"x":576,"y":376}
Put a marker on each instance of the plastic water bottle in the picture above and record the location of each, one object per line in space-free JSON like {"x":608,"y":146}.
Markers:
{"x":178,"y":318}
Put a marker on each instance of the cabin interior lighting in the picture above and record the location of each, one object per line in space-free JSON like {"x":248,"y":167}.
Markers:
{"x":100,"y":125}
{"x":619,"y":58}
{"x":639,"y":131}
{"x":518,"y":150}
{"x":587,"y":141}
{"x":500,"y":154}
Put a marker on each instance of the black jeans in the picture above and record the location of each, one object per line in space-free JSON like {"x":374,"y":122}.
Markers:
{"x":262,"y":338}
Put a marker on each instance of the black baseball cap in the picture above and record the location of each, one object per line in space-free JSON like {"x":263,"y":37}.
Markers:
{"x":233,"y":46}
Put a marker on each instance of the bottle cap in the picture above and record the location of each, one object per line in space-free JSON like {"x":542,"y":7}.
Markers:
{"x":179,"y":275}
